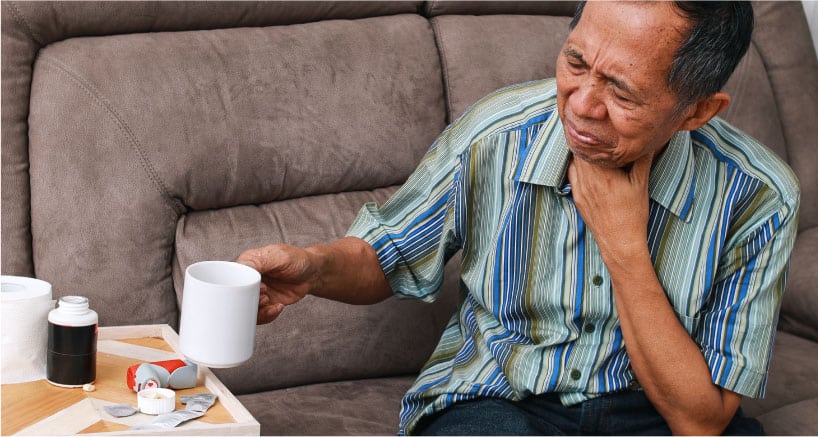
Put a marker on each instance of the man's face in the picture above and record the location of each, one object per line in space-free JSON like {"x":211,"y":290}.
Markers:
{"x":612,"y":90}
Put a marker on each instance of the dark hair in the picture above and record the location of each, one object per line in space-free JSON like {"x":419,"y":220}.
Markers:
{"x":718,"y":37}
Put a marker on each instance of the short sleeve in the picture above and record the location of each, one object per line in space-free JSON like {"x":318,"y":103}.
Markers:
{"x":738,"y":324}
{"x":415,"y":232}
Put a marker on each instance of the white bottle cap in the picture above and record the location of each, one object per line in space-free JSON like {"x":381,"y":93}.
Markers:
{"x":156,"y":400}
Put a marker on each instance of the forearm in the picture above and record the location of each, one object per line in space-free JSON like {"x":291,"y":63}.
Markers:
{"x":667,"y":362}
{"x":348,"y":270}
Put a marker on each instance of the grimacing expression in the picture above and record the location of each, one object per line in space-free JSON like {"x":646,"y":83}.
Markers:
{"x":612,"y":91}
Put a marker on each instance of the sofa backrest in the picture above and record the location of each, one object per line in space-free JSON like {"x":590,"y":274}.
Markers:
{"x":139,"y":138}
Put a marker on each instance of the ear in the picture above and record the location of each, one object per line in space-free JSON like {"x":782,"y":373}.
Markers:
{"x":702,"y":111}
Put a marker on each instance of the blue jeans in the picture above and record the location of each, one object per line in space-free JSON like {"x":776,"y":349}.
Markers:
{"x":623,"y":413}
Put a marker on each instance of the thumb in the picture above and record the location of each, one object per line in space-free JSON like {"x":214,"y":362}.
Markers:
{"x":254,"y":258}
{"x":267,"y":259}
{"x":246,"y":260}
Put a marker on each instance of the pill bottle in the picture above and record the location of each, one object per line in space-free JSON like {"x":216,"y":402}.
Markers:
{"x":72,"y":343}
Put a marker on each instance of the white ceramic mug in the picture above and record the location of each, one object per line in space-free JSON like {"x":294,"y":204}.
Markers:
{"x":219,"y":309}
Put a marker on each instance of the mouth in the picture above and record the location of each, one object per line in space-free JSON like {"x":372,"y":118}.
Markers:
{"x":588,"y":146}
{"x":583,"y":138}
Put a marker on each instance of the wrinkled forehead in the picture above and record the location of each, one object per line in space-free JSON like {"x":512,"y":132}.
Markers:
{"x":628,"y":35}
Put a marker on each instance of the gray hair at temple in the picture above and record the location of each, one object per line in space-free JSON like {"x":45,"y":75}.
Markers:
{"x":718,"y":37}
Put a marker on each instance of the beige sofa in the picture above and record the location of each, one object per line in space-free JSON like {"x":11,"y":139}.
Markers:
{"x":140,"y":137}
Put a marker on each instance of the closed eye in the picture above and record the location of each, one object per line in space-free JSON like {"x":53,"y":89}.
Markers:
{"x":622,"y":98}
{"x":576,"y":65}
{"x":574,"y":58}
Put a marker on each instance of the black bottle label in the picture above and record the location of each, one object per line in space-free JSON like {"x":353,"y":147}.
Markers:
{"x":72,"y":354}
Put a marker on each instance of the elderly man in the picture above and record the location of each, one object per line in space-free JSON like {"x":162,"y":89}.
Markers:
{"x":624,"y":252}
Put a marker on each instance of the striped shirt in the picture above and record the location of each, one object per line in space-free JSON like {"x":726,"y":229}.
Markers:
{"x":536,"y":311}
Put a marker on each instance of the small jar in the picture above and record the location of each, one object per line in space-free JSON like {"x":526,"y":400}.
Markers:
{"x":72,"y":343}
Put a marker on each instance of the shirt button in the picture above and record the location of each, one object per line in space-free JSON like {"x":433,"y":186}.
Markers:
{"x":575,"y":374}
{"x":597,"y":280}
{"x":589,"y":327}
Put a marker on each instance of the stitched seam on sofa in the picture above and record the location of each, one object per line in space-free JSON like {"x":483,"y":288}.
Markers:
{"x":447,"y":92}
{"x":18,"y":17}
{"x":174,"y":204}
{"x":429,"y":9}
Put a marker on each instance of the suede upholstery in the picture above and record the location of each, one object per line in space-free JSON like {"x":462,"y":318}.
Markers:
{"x":141,"y":137}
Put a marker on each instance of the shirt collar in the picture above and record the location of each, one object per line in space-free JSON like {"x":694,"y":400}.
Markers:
{"x":547,"y":160}
{"x":671,"y":182}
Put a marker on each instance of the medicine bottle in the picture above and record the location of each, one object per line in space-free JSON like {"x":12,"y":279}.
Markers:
{"x":72,"y":343}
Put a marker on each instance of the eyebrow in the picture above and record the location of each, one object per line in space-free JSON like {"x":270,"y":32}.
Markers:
{"x":619,"y":83}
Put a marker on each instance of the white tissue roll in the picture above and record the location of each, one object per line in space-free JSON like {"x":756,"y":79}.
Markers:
{"x":219,"y":309}
{"x":25,"y":306}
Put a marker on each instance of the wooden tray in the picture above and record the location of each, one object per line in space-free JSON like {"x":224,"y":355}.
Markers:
{"x":39,"y":408}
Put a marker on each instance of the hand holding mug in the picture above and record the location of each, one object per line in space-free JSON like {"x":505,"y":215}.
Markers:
{"x":287,"y":275}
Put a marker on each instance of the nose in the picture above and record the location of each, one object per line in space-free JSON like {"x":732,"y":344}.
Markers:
{"x":586,"y":101}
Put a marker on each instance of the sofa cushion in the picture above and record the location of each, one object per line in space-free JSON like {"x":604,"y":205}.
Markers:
{"x":225,"y":233}
{"x":49,"y":21}
{"x":363,"y":407}
{"x":29,"y":26}
{"x":315,"y":340}
{"x":795,"y":419}
{"x":130,"y":132}
{"x":479,"y":54}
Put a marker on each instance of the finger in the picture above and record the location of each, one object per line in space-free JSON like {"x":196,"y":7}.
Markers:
{"x":269,"y":295}
{"x":264,"y":295}
{"x":269,"y":313}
